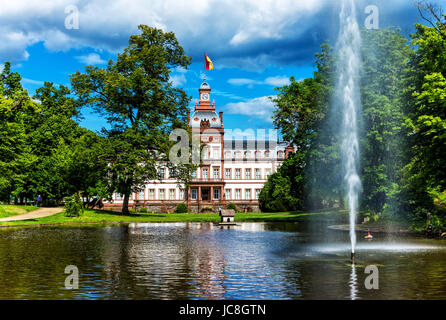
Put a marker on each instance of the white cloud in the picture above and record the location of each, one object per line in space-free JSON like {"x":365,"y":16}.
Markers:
{"x":31,"y":81}
{"x":91,"y":59}
{"x":277,"y":81}
{"x":178,"y":80}
{"x":248,"y":34}
{"x":243,"y":82}
{"x":261,"y":108}
{"x":107,"y":25}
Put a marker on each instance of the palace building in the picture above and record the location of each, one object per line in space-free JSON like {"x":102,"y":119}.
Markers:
{"x":232,"y":170}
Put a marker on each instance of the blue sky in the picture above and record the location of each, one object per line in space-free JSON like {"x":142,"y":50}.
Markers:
{"x":255,"y":45}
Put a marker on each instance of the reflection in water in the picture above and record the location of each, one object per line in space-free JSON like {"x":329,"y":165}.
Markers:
{"x":353,"y":283}
{"x":202,"y":261}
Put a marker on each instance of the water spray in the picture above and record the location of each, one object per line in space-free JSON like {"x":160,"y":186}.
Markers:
{"x":348,"y":97}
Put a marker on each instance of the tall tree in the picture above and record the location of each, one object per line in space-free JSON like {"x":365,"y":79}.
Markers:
{"x":137,"y":98}
{"x":426,"y":113}
{"x":15,"y":154}
{"x":386,"y":54}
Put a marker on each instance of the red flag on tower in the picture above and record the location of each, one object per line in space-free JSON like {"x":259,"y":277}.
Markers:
{"x":208,"y":61}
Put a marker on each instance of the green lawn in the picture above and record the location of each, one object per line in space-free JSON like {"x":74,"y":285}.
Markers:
{"x":94,"y":216}
{"x":12,"y":210}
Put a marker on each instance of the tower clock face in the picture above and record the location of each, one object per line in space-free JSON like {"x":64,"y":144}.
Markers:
{"x":205,"y":96}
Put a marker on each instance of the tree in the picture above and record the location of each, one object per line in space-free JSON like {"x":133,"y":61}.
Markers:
{"x":15,"y":154}
{"x":301,"y":113}
{"x":136,"y":97}
{"x":307,"y":118}
{"x":284,"y":189}
{"x":425,"y":174}
{"x":386,"y":54}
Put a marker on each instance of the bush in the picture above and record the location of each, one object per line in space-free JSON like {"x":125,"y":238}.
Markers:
{"x":181,"y":208}
{"x":143,"y":210}
{"x":231,"y":206}
{"x":73,"y":205}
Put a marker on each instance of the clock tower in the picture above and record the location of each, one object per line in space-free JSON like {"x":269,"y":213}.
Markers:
{"x":204,"y":104}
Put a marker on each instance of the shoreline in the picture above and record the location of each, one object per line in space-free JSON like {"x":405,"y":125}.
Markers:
{"x":375,"y":229}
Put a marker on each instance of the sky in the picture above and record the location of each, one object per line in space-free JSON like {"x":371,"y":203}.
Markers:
{"x":255,"y":45}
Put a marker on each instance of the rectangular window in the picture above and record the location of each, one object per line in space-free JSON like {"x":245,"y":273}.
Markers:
{"x":194,"y":174}
{"x":258,"y":176}
{"x":162,"y":194}
{"x":205,"y":174}
{"x":228,"y":174}
{"x":162,"y":173}
{"x":216,"y":153}
{"x":216,"y":173}
{"x":248,"y":174}
{"x":258,"y":193}
{"x":194,"y":194}
{"x":238,"y":194}
{"x":267,"y":173}
{"x":152,"y":194}
{"x":141,"y":195}
{"x":172,"y":173}
{"x":217,"y":194}
{"x":171,"y":194}
{"x":118,"y":196}
{"x":183,"y":194}
{"x":238,"y":174}
{"x":248,"y":194}
{"x":228,"y":194}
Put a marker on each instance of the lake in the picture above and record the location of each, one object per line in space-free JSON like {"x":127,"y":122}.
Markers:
{"x":204,"y":261}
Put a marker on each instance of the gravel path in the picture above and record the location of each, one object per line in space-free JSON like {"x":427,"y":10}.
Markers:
{"x":39,"y":213}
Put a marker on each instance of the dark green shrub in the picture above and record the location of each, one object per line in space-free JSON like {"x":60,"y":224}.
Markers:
{"x":143,"y":210}
{"x":73,"y":205}
{"x":181,"y":208}
{"x":231,"y":206}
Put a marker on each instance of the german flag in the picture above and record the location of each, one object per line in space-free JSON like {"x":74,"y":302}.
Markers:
{"x":208,"y":61}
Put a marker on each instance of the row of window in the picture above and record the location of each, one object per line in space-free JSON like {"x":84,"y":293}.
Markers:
{"x":163,"y":194}
{"x":238,"y":154}
{"x":171,"y":194}
{"x":230,"y":174}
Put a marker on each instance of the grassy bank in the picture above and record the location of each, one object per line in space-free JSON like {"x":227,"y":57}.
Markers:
{"x":96,"y":216}
{"x":12,"y":210}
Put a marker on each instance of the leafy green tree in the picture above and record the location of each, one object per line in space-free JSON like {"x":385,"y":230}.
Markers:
{"x":137,"y":98}
{"x":15,"y":154}
{"x":283,"y":190}
{"x":301,"y":112}
{"x":425,"y":174}
{"x":308,"y":119}
{"x":386,"y":54}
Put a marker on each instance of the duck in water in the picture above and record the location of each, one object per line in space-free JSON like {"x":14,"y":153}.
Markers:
{"x":369,"y":236}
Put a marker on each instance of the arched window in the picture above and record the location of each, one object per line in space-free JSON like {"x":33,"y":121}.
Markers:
{"x":258,"y":155}
{"x":280,"y":155}
{"x":205,"y":153}
{"x":267,"y":154}
{"x":247,"y":155}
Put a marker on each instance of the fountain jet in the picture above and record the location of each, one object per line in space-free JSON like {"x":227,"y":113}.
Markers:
{"x":348,"y":98}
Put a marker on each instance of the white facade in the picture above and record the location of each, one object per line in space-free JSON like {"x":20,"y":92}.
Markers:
{"x":232,"y":171}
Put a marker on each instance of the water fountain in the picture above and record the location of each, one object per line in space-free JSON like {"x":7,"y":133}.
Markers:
{"x":348,"y":98}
